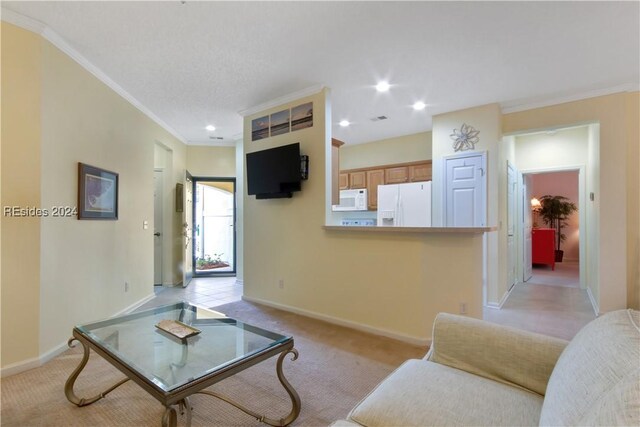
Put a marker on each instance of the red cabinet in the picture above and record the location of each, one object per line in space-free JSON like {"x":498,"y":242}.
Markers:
{"x":543,"y":242}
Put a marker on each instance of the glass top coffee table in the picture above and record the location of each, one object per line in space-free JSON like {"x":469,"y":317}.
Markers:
{"x":177,"y":350}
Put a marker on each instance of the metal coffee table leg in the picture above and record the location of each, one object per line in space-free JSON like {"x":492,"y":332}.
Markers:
{"x":68,"y":387}
{"x":170,"y":416}
{"x":295,"y":399}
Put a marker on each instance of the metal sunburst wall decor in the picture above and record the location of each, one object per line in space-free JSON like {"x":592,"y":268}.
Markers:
{"x":466,"y":138}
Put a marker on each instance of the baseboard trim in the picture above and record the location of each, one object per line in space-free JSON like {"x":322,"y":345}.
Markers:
{"x":594,"y":304}
{"x":135,"y":305}
{"x":342,"y":322}
{"x":35,"y":362}
{"x":498,"y":305}
{"x":16,"y":368}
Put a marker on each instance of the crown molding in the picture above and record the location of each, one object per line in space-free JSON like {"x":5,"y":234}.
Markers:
{"x":59,"y":42}
{"x":22,"y":21}
{"x":312,"y":90}
{"x":511,"y":107}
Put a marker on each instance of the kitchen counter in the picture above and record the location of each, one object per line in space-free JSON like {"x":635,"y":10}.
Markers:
{"x":426,"y":230}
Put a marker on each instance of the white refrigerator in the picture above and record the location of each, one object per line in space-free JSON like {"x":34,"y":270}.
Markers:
{"x":404,"y":205}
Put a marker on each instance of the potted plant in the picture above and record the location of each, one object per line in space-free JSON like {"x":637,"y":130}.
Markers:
{"x":209,"y":263}
{"x":555,"y":211}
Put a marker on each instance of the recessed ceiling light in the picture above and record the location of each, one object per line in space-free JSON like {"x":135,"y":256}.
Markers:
{"x":210,"y":128}
{"x":382,"y":86}
{"x":419,"y":105}
{"x":345,"y":123}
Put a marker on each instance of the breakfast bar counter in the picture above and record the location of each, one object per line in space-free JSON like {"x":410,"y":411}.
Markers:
{"x":438,"y":230}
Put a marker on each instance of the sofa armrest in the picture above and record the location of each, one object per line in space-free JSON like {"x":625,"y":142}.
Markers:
{"x":511,"y":356}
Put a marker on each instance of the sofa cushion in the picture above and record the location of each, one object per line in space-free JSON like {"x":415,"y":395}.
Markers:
{"x":423,"y":393}
{"x":590,"y":383}
{"x":500,"y":353}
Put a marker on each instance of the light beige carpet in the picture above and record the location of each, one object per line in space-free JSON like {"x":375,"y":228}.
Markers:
{"x":337,"y":367}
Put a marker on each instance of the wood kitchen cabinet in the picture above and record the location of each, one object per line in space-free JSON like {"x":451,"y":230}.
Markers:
{"x":396,"y":175}
{"x":371,"y":177}
{"x":420,"y":172}
{"x":343,"y":181}
{"x":375,"y":177}
{"x":357,"y":180}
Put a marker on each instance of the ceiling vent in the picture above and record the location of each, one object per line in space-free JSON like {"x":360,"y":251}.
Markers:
{"x":216,"y":137}
{"x":378,"y":118}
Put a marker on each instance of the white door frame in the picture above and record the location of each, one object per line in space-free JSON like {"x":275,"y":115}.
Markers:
{"x":582,"y":209}
{"x":524,"y":210}
{"x":158,"y":214}
{"x":483,"y":157}
{"x":513,"y":225}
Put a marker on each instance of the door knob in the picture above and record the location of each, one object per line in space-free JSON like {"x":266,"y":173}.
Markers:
{"x":157,"y":233}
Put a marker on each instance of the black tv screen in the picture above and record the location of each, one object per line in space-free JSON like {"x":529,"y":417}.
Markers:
{"x":275,"y":172}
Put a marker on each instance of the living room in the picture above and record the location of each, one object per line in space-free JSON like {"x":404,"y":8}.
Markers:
{"x":60,"y":272}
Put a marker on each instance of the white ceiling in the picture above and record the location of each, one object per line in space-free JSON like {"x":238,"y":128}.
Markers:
{"x":201,"y":63}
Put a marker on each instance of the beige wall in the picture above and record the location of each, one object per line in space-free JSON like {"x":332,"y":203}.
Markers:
{"x":408,"y":148}
{"x":390,"y":283}
{"x":486,"y":119}
{"x":616,"y":194}
{"x":82,"y":265}
{"x":563,"y":148}
{"x":208,"y":161}
{"x":21,"y":163}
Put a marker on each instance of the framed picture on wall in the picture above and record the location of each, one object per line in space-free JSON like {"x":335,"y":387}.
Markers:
{"x":260,"y":128}
{"x":97,"y":193}
{"x":280,"y":122}
{"x":302,"y":116}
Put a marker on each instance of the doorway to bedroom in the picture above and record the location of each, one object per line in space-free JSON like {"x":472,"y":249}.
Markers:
{"x":214,"y":224}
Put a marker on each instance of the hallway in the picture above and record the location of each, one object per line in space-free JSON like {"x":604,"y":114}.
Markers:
{"x":550,"y":303}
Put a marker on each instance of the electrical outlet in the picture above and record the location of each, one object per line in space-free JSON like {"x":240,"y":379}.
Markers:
{"x":463,"y":308}
{"x":281,"y":283}
{"x":126,"y":286}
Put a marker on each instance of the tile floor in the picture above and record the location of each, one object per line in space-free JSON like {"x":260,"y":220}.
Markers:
{"x":550,"y":303}
{"x":204,"y":291}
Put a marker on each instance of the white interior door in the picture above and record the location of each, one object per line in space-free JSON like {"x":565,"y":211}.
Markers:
{"x":187,"y":232}
{"x":527,"y":225}
{"x":465,"y":190}
{"x":157,"y":227}
{"x":511,"y":225}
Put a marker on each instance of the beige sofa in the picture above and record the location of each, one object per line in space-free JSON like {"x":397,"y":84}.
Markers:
{"x":480,"y":374}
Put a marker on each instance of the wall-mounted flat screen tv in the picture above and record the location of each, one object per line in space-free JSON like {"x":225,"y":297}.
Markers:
{"x":275,"y":172}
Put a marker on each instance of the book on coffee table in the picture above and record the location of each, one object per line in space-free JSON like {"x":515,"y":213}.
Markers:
{"x":177,"y":328}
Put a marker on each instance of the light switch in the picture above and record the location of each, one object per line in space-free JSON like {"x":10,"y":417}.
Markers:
{"x":145,"y":225}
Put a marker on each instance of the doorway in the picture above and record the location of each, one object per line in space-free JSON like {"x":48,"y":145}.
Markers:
{"x":547,"y":268}
{"x":214,"y":217}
